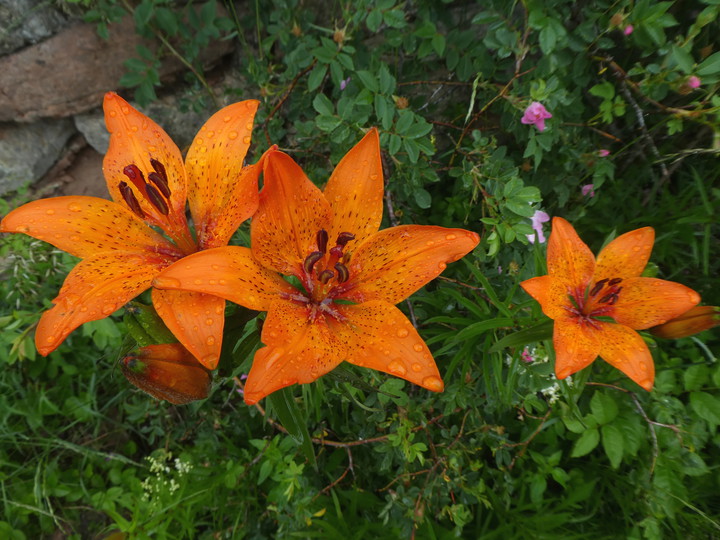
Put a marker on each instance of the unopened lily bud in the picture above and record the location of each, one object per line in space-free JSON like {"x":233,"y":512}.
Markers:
{"x":168,"y":372}
{"x":689,"y":323}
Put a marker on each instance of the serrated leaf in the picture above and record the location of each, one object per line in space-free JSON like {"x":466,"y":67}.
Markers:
{"x":422,"y":198}
{"x":404,"y":121}
{"x":706,"y":406}
{"x":369,"y":80}
{"x":413,"y":152}
{"x":323,"y":105}
{"x":586,"y":443}
{"x":316,"y":76}
{"x":327,"y":123}
{"x":603,"y":407}
{"x":613,"y":444}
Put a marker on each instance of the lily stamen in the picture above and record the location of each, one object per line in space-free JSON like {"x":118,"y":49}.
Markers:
{"x":130,"y":199}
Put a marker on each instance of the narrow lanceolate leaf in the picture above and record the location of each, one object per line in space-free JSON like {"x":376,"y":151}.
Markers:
{"x":292,"y":419}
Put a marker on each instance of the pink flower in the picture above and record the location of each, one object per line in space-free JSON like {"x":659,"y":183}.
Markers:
{"x":628,"y":30}
{"x":538,"y":219}
{"x":603,"y":153}
{"x":694,"y":81}
{"x":344,"y":83}
{"x":526,"y":355}
{"x":588,"y":190}
{"x":536,"y":114}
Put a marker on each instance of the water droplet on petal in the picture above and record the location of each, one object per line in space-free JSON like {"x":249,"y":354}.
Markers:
{"x":442,"y":266}
{"x":107,"y":309}
{"x":227,"y":118}
{"x":210,"y":341}
{"x":71,"y":299}
{"x":233,"y":135}
{"x":397,"y":368}
{"x":209,"y":360}
{"x":166,"y":282}
{"x":386,"y":352}
{"x":433,"y":383}
{"x":209,"y":321}
{"x":198,"y":281}
{"x":74,"y":207}
{"x":113,"y":114}
{"x":402,"y":332}
{"x":450,"y":237}
{"x":246,"y":139}
{"x":83,"y":309}
{"x":50,"y":212}
{"x":417,"y":368}
{"x":418,"y":347}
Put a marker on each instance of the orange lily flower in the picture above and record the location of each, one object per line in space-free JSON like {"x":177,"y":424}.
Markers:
{"x":691,"y":322}
{"x":344,"y":308}
{"x":121,"y":251}
{"x":167,"y":371}
{"x":581,"y":295}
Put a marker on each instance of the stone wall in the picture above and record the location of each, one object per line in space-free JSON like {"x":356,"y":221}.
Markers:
{"x":55,"y":70}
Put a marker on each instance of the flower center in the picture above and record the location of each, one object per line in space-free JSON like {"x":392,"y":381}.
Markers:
{"x":323,"y":271}
{"x":155,"y":193}
{"x":598,"y":301}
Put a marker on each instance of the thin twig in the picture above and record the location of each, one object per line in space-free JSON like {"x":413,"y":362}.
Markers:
{"x":284,"y":97}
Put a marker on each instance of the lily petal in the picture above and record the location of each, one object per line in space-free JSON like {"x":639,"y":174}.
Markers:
{"x":624,"y":349}
{"x":135,"y":139}
{"x":646,"y":302}
{"x":355,"y":190}
{"x":568,"y":258}
{"x":385,"y":340}
{"x":84,"y":226}
{"x":95,"y":288}
{"x":196,"y":319}
{"x":626,"y":256}
{"x":300,"y":349}
{"x":229,"y":272}
{"x":550,"y":293}
{"x":576,"y":346}
{"x":291,"y":212}
{"x":220,"y":192}
{"x":396,"y":262}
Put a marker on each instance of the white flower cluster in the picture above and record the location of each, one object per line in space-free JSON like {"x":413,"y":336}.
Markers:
{"x":552,"y":392}
{"x":163,"y":478}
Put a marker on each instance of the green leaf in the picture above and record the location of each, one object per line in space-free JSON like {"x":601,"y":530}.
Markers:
{"x":438,"y":43}
{"x":327,"y":123}
{"x":706,"y":406}
{"x":316,"y":76}
{"x":613,"y":444}
{"x":323,"y":105}
{"x":481,"y":327}
{"x":413,"y":151}
{"x":586,"y":443}
{"x":536,"y":333}
{"x":603,"y":407}
{"x":369,"y":80}
{"x":292,"y":420}
{"x":394,"y":145}
{"x":374,"y":20}
{"x":151,"y":322}
{"x":683,"y":59}
{"x":404,"y":121}
{"x":422,"y":198}
{"x":709,"y":66}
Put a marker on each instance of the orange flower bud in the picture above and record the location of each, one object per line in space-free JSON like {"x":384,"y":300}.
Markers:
{"x":167,"y":372}
{"x":401,"y":102}
{"x":689,"y":323}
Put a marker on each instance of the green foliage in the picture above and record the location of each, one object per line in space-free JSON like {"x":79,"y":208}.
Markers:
{"x":506,"y":450}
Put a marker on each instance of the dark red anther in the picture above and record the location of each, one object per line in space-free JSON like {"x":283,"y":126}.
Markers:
{"x":311,"y":260}
{"x":130,"y":199}
{"x":598,"y":286}
{"x":135,"y":175}
{"x":160,"y":183}
{"x":326,"y":275}
{"x":159,"y":168}
{"x":342,"y":272}
{"x":344,"y":237}
{"x":322,"y":240}
{"x":614,"y":281}
{"x":336,"y":252}
{"x":607,"y":298}
{"x":156,"y":199}
{"x":613,"y":298}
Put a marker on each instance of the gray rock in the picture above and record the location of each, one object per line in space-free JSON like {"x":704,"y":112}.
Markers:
{"x":25,"y":22}
{"x":92,"y":127}
{"x":27,"y":151}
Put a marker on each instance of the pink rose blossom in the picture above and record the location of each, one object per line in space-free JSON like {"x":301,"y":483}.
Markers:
{"x":588,"y":190}
{"x":603,"y":153}
{"x":628,"y":30}
{"x":526,"y":355}
{"x":538,"y":219}
{"x":536,"y":114}
{"x":694,"y":81}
